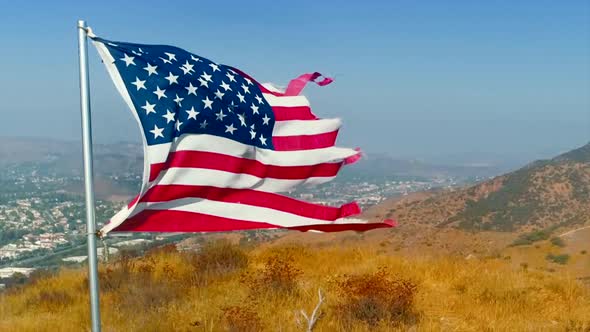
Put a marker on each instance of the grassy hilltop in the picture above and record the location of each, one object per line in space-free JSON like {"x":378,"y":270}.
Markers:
{"x":224,"y":287}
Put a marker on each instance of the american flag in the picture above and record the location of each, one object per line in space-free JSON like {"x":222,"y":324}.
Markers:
{"x":219,"y":147}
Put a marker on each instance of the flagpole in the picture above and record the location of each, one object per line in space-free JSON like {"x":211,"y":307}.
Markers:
{"x":88,"y":176}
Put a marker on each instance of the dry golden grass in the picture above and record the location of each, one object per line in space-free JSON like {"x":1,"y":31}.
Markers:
{"x":224,"y":288}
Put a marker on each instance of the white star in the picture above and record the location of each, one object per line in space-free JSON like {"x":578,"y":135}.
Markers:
{"x":203,"y":124}
{"x":225,"y":86}
{"x":219,"y":94}
{"x":194,"y":58}
{"x":252,"y":134}
{"x":242,"y":118}
{"x":241,"y":97}
{"x":157,"y":132}
{"x":231,"y":77}
{"x":171,"y":56}
{"x":262,"y":140}
{"x":203,"y":82}
{"x":191,"y":89}
{"x":207,"y":77}
{"x":151,"y":69}
{"x":254,"y":109}
{"x":232,"y":106}
{"x":246,"y":89}
{"x":192,"y":114}
{"x":160,"y":93}
{"x":128,"y":60}
{"x":178,"y":100}
{"x":248,"y":81}
{"x":214,"y":66}
{"x":187,"y":68}
{"x":178,"y":124}
{"x":139,"y":83}
{"x":165,"y":60}
{"x":149,"y":108}
{"x":208,"y":103}
{"x":172,"y":78}
{"x":265,"y":120}
{"x":169,"y":116}
{"x":220,"y":115}
{"x":258,"y":99}
{"x":230,"y":129}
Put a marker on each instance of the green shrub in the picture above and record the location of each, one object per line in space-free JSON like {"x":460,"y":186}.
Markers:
{"x":557,"y":241}
{"x":559,"y":259}
{"x":532,"y":237}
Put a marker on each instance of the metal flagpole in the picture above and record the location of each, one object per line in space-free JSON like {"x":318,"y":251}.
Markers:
{"x":88,"y":176}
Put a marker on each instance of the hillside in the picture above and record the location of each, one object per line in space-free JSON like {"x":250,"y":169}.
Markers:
{"x":226,"y":287}
{"x":548,"y":193}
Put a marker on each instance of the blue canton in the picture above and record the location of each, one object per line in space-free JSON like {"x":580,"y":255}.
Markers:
{"x":176,"y":92}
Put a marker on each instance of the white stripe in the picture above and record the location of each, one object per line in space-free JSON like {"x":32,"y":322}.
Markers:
{"x":287,"y":101}
{"x":239,"y":212}
{"x":210,"y":143}
{"x":273,"y":88}
{"x":116,"y":220}
{"x":305,"y":127}
{"x":223,"y":179}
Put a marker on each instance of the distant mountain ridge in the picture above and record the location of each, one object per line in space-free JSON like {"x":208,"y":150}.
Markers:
{"x":545,"y":193}
{"x":65,"y":157}
{"x":117,"y":167}
{"x":379,"y":164}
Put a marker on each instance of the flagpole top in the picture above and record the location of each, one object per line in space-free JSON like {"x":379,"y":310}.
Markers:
{"x":82,"y":25}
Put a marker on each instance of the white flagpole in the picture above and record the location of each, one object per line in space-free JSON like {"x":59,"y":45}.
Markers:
{"x":88,"y":176}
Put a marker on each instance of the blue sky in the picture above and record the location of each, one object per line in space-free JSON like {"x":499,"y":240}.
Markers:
{"x":471,"y":79}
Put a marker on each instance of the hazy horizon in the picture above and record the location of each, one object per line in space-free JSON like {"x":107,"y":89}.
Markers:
{"x":429,"y":81}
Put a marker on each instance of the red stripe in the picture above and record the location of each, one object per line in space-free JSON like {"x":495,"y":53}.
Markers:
{"x":345,"y":227}
{"x":304,"y":142}
{"x":284,"y":113}
{"x":162,"y":193}
{"x":182,"y":221}
{"x":133,"y":201}
{"x":217,"y":161}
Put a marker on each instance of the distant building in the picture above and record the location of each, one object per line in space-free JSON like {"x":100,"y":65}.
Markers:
{"x":8,"y":272}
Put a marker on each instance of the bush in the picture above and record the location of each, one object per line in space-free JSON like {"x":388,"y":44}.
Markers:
{"x":278,"y":276}
{"x":52,"y":300}
{"x":219,"y":257}
{"x":557,"y":241}
{"x":241,"y":319}
{"x":559,"y":259}
{"x":147,"y":293}
{"x":375,"y":297}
